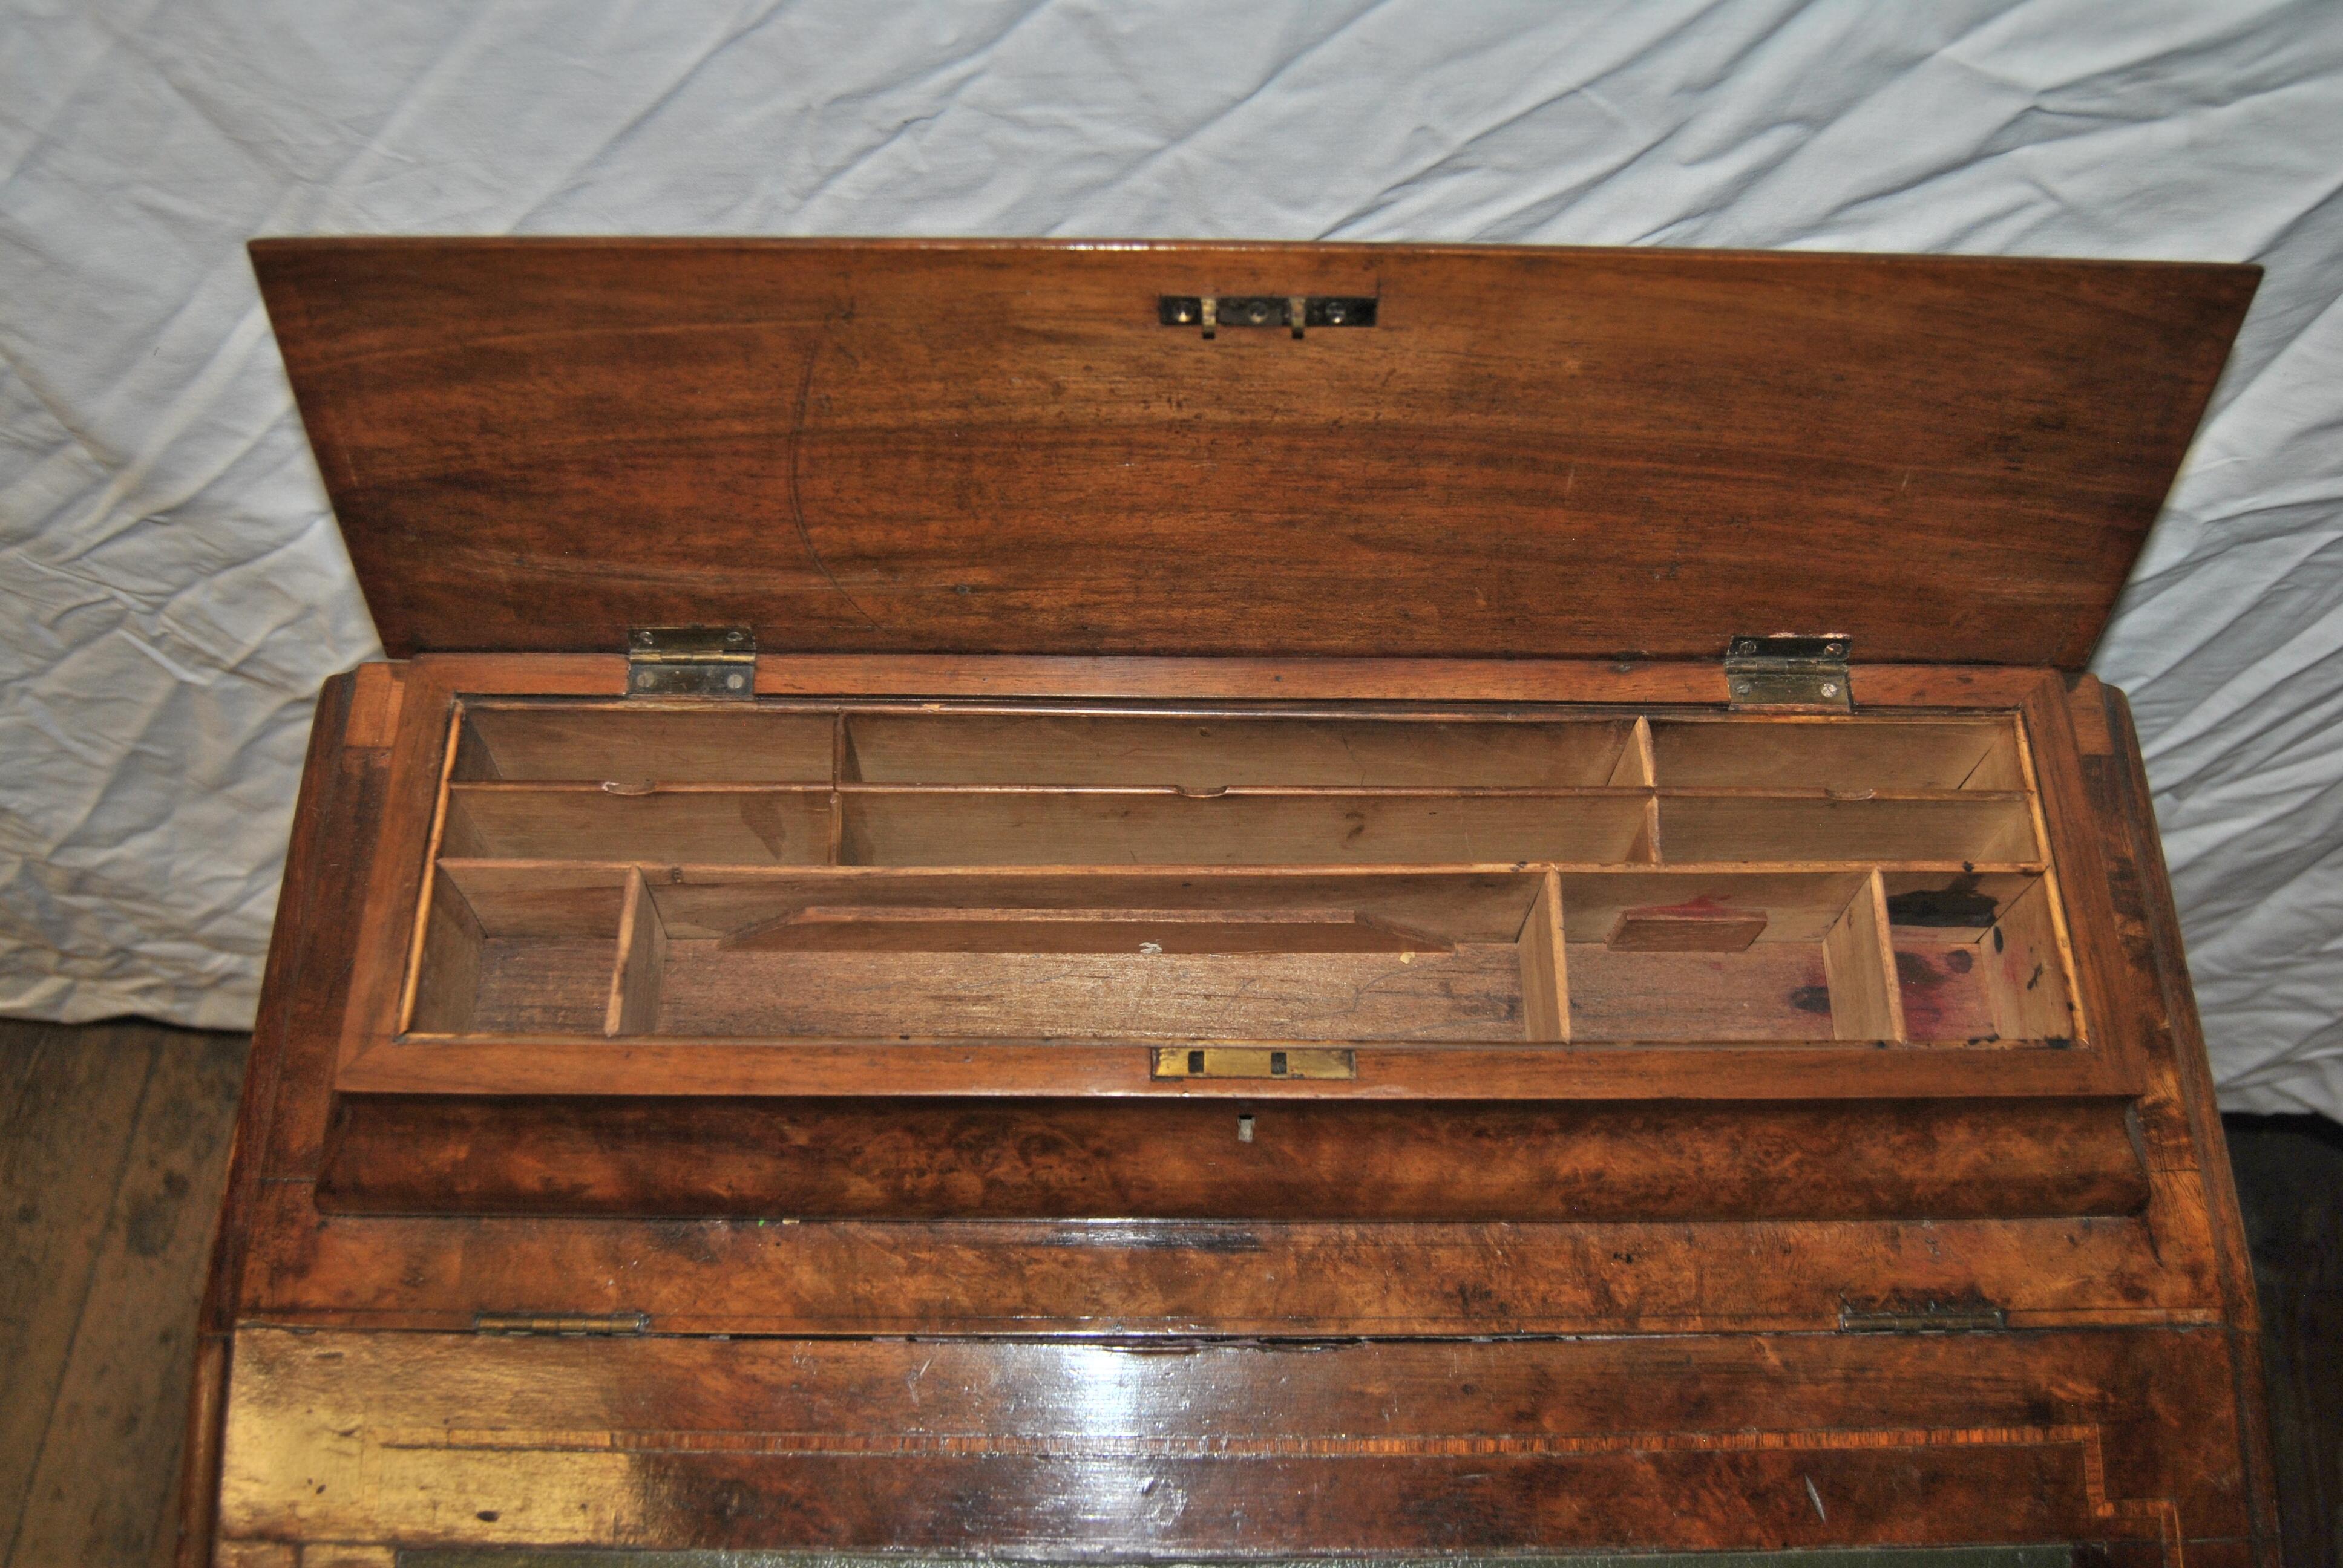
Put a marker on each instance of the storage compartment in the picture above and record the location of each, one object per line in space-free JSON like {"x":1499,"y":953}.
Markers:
{"x":1959,"y":830}
{"x":1226,"y":751}
{"x":1671,"y":956}
{"x":987,"y":875}
{"x":746,"y":745}
{"x":1816,"y":752}
{"x":714,"y":824}
{"x":736,"y":954}
{"x":1980,"y":959}
{"x":1022,"y":826}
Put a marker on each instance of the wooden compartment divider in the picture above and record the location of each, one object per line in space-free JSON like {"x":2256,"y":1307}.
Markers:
{"x":1633,"y":769}
{"x":641,"y":966}
{"x":1545,"y":979}
{"x":2025,"y":973}
{"x":448,"y":967}
{"x":1866,"y":1003}
{"x":842,"y":768}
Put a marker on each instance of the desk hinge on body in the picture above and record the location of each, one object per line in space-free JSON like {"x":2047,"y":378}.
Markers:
{"x":1923,"y":1318}
{"x":1779,"y":672}
{"x":691,"y":661}
{"x":601,"y":1323}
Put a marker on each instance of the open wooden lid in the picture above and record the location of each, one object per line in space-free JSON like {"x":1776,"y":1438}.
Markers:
{"x":917,"y":445}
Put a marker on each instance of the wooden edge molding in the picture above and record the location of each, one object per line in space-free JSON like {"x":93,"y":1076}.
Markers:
{"x":376,"y":693}
{"x":1195,"y":678}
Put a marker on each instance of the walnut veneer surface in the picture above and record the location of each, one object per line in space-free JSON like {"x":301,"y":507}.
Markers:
{"x":1349,"y":1353}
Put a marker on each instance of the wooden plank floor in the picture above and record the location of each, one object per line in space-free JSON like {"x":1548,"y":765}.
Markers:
{"x":112,"y":1145}
{"x":114,"y":1141}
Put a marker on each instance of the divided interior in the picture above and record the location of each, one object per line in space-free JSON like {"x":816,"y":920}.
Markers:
{"x":774,"y":872}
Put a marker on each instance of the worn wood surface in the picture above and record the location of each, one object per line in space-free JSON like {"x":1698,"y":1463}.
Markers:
{"x":1404,"y":1448}
{"x":2136,"y":1284}
{"x":288,"y":1074}
{"x":579,"y":1061}
{"x":2288,"y":1174}
{"x":994,"y":446}
{"x":1268,"y":1161}
{"x":113,"y":1148}
{"x":2178,"y":1117}
{"x":1172,"y":1278}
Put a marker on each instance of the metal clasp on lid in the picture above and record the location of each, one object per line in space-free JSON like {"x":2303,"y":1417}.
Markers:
{"x":1208,"y":313}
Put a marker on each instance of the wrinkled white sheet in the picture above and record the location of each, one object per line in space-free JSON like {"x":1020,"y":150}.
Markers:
{"x":172,"y":590}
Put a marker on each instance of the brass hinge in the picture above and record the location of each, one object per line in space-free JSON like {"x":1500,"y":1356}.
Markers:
{"x":1253,"y":1062}
{"x":691,"y":661}
{"x":1922,"y":1318}
{"x":561,"y":1323}
{"x":1788,"y":672}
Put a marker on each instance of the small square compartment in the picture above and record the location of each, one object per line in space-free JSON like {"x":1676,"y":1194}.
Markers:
{"x":1979,"y":959}
{"x":1693,"y":956}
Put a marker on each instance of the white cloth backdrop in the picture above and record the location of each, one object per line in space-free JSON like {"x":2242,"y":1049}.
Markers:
{"x":172,"y":590}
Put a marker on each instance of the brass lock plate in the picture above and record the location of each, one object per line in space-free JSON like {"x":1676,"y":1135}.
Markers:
{"x":1256,"y":1062}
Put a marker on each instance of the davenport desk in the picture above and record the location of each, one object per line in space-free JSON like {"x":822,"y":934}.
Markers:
{"x":1173,"y":902}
